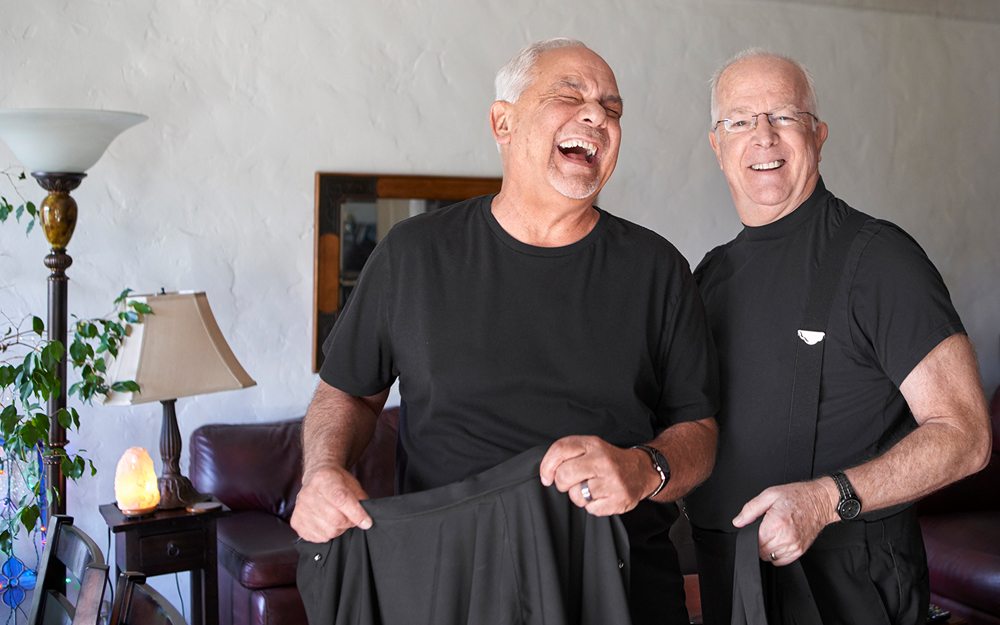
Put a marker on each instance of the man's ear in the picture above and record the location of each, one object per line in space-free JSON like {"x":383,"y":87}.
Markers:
{"x":500,"y":114}
{"x":821,"y":133}
{"x":714,"y":140}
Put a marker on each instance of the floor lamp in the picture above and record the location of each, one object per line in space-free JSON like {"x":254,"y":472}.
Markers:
{"x":58,"y":146}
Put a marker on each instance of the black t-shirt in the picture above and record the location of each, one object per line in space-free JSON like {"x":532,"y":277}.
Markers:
{"x":500,"y":346}
{"x":891,"y":309}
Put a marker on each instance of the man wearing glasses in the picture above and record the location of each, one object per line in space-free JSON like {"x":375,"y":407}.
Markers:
{"x":900,"y":409}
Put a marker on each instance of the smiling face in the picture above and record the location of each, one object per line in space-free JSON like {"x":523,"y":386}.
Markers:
{"x":563,"y":133}
{"x":770,"y":171}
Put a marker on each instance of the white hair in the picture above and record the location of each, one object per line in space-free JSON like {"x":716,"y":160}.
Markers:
{"x":811,"y":104}
{"x":516,"y":76}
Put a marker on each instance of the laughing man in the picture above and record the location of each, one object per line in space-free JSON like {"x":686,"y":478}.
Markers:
{"x":529,"y":318}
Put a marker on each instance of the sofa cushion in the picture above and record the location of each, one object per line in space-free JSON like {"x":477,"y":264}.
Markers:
{"x":258,"y":549}
{"x":963,"y":554}
{"x":252,"y":466}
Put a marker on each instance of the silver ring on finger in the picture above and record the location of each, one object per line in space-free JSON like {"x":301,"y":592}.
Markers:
{"x":773,"y":557}
{"x":585,"y":490}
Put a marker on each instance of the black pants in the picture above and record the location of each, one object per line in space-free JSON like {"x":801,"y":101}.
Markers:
{"x":860,"y":573}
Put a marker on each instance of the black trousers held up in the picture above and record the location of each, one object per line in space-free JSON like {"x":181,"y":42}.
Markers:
{"x":860,"y":573}
{"x":498,"y":548}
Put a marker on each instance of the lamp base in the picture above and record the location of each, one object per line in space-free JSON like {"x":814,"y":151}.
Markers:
{"x":137,"y":513}
{"x":176,"y":491}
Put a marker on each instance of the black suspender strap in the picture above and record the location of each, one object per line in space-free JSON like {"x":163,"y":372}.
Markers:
{"x":748,"y":591}
{"x":790,"y":600}
{"x":809,"y":351}
{"x":795,"y":603}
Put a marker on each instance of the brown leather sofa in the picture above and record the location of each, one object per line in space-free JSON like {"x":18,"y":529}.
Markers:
{"x":256,"y":470}
{"x":961,"y":527}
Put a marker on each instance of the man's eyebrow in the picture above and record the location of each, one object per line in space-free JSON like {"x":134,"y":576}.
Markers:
{"x":779,"y":107}
{"x":567,"y":82}
{"x":578,"y":86}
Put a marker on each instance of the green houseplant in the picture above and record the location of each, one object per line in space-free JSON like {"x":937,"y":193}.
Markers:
{"x":28,"y":377}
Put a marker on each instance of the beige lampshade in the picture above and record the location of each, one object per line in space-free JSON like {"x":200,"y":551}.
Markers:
{"x":62,"y":140}
{"x":177,"y":351}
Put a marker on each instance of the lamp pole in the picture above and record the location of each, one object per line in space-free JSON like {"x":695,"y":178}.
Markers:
{"x":57,"y":146}
{"x":58,"y":216}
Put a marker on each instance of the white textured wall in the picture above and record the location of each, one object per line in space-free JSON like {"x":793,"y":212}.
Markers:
{"x":248,"y":98}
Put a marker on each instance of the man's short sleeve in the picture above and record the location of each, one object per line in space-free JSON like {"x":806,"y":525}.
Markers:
{"x":689,"y":368}
{"x":358,"y":352}
{"x":899,"y":303}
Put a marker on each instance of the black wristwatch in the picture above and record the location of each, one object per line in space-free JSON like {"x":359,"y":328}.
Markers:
{"x":660,"y":464}
{"x":849,"y":506}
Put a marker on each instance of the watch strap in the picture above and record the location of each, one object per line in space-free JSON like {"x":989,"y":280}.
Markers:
{"x":844,"y":486}
{"x":849,"y":506}
{"x":664,"y":475}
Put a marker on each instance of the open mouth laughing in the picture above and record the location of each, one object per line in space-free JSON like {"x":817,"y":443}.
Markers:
{"x":579,"y":150}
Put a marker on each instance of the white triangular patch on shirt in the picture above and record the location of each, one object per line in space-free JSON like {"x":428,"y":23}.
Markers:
{"x":810,"y":337}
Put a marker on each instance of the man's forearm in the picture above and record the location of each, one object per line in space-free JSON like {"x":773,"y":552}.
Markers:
{"x":337,"y":428}
{"x":931,"y":457}
{"x":951,"y":441}
{"x":690,"y":449}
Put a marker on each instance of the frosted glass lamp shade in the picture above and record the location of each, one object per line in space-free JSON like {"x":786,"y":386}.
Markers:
{"x":62,"y":140}
{"x":136,"y":491}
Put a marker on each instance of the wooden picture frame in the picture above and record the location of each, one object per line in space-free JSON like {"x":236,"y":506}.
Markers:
{"x":332,"y":189}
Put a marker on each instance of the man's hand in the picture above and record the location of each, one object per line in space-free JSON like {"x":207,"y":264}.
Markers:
{"x":328,"y":505}
{"x":617,"y":478}
{"x":793,"y":515}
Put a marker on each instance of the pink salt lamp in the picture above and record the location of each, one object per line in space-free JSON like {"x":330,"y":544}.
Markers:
{"x":135,"y":483}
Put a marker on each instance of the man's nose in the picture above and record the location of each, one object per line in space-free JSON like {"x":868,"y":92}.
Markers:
{"x":593,"y":113}
{"x":763,"y":132}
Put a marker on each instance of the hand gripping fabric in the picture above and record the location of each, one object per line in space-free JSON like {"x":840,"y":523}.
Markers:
{"x":792,"y":601}
{"x":498,"y":548}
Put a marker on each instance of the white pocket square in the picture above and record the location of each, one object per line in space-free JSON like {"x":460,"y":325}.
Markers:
{"x":810,"y":337}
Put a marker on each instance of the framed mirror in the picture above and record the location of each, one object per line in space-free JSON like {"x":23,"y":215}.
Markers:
{"x":353,"y":213}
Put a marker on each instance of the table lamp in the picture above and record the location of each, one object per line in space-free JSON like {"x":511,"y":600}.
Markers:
{"x":57,"y":146}
{"x":177,"y":351}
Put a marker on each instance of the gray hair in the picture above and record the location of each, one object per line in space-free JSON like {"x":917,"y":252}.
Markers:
{"x":516,"y":76}
{"x":811,"y":103}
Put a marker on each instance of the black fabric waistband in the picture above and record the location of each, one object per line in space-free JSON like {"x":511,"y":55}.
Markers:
{"x":503,"y":477}
{"x":867,"y":531}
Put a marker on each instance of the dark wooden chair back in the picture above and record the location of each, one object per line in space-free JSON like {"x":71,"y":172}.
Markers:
{"x":136,"y":603}
{"x":72,"y":577}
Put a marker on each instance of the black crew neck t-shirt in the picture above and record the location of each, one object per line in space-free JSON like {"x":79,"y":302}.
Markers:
{"x":501,"y":346}
{"x":891,"y":309}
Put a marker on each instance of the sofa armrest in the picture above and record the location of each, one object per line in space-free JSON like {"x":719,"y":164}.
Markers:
{"x":249,"y":466}
{"x":258,"y":466}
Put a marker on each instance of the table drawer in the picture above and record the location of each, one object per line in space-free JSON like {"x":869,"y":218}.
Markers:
{"x":172,"y":552}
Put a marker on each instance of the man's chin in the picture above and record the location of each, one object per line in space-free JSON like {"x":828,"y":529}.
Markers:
{"x":575,"y":189}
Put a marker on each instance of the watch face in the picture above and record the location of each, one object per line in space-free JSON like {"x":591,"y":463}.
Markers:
{"x":662,"y":461}
{"x":849,"y":508}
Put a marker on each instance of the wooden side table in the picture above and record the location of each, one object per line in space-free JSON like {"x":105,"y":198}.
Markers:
{"x":171,"y":541}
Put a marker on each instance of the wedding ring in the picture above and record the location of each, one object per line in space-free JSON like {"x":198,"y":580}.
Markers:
{"x":586,"y":491}
{"x":773,"y":557}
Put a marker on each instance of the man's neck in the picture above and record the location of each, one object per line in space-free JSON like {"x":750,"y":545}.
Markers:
{"x":755,"y":215}
{"x":542,"y":223}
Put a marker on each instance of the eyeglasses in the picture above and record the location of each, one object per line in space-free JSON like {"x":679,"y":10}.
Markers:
{"x":745,"y":122}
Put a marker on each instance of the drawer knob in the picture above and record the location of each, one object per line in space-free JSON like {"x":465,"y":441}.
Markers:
{"x":173,"y":550}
